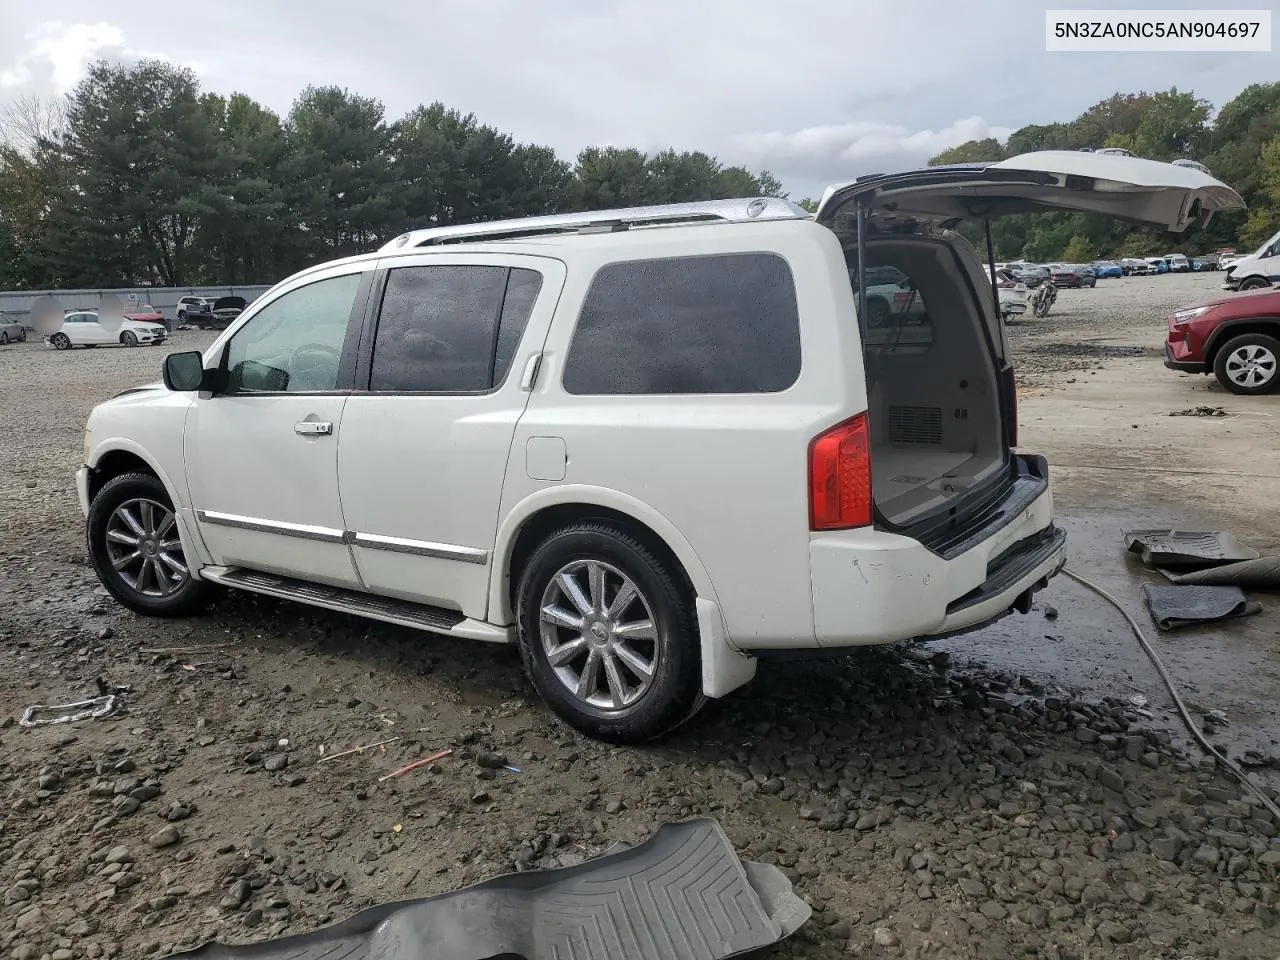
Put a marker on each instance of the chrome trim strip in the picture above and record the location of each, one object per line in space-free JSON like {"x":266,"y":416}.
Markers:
{"x":419,"y":548}
{"x":300,"y":530}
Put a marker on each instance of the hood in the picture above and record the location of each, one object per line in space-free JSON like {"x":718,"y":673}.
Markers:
{"x":1175,"y":198}
{"x":229,"y":303}
{"x":1265,"y":300}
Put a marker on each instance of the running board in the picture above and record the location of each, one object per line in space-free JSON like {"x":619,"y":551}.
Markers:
{"x":402,"y":613}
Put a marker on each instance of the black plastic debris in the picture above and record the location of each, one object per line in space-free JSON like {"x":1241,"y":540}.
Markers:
{"x":1181,"y":606}
{"x":682,"y":894}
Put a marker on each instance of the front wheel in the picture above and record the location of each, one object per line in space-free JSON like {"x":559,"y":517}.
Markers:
{"x":1247,"y":364}
{"x":135,"y":549}
{"x":4,"y":338}
{"x":60,"y":341}
{"x":129,"y":338}
{"x":1254,"y":283}
{"x":608,"y":634}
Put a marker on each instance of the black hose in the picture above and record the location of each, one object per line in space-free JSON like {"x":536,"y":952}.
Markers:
{"x":1224,"y":761}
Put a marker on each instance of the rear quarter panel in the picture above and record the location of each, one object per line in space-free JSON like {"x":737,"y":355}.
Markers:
{"x":728,"y":473}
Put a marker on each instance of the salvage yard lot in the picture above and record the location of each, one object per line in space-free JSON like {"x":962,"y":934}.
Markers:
{"x":997,"y":795}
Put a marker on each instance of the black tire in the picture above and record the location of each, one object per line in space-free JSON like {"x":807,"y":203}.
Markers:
{"x":60,"y":341}
{"x":129,"y":338}
{"x":4,"y":338}
{"x":1258,"y":349}
{"x":22,"y":335}
{"x":1254,"y":283}
{"x":189,"y":597}
{"x":674,"y":694}
{"x":182,"y":315}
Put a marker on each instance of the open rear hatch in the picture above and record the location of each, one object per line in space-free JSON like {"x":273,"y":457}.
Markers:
{"x":940,"y":385}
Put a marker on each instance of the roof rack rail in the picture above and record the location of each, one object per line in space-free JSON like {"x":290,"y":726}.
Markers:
{"x":601,"y":221}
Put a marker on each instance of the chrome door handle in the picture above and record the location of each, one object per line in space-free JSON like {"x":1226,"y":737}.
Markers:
{"x":313,"y":428}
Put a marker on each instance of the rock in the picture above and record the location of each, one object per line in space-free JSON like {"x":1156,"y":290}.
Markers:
{"x":253,"y":917}
{"x":1086,"y":735}
{"x":237,"y":894}
{"x":1270,"y":859}
{"x":1166,"y":848}
{"x":276,"y":762}
{"x":1137,"y":892}
{"x":492,"y":761}
{"x":614,"y":806}
{"x":1111,"y":779}
{"x":884,"y":937}
{"x":480,"y":796}
{"x":119,"y":854}
{"x":993,"y":910}
{"x":29,"y":920}
{"x":177,"y":811}
{"x":1207,"y":855}
{"x":1095,"y":893}
{"x":165,"y":837}
{"x":866,"y":821}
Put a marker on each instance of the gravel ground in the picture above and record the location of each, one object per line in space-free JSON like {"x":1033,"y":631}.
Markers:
{"x":923,"y":810}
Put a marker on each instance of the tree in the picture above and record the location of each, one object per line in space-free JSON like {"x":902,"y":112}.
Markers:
{"x":971,"y":151}
{"x":1079,"y":250}
{"x":339,"y":172}
{"x":30,"y":120}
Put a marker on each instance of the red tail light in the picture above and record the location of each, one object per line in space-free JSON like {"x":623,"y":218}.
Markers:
{"x":901,"y":297}
{"x":840,"y":477}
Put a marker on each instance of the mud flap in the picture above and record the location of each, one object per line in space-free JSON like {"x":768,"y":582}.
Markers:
{"x":682,"y":894}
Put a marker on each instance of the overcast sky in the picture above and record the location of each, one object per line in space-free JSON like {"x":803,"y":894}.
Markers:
{"x":814,"y":90}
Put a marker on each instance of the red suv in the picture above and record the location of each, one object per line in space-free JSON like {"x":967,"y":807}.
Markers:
{"x":1236,"y":336}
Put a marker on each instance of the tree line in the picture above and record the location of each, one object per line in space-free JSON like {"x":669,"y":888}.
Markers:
{"x":139,"y":177}
{"x":1240,"y":145}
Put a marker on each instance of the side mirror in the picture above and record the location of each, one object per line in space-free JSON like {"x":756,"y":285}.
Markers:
{"x":184,"y":371}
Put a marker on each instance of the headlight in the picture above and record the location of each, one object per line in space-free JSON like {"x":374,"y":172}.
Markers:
{"x":1186,"y":316}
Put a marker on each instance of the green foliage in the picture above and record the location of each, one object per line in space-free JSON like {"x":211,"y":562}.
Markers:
{"x":141,"y":178}
{"x":971,"y":151}
{"x":1079,"y":250}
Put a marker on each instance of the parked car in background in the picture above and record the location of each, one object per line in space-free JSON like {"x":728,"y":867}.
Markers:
{"x":11,"y":330}
{"x":1013,"y":294}
{"x":1178,"y":262}
{"x":189,"y":307}
{"x":81,"y":329}
{"x":1073,"y":275}
{"x":1135,"y":267}
{"x":221,"y":313}
{"x":1107,"y":269}
{"x":1157,"y":264}
{"x":144,"y":313}
{"x":1235,"y":337}
{"x":1030,"y":273}
{"x":1256,"y":271}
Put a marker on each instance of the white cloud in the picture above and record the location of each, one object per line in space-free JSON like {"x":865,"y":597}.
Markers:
{"x":57,"y":54}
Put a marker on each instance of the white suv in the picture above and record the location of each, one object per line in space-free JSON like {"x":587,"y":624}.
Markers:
{"x":648,"y":446}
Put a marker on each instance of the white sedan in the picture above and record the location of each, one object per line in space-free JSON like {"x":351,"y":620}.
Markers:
{"x":83,"y":330}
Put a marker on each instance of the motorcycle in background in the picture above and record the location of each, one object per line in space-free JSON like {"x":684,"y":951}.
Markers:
{"x":1042,"y":298}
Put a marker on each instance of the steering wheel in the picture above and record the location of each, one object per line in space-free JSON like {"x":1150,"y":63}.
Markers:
{"x":313,"y":361}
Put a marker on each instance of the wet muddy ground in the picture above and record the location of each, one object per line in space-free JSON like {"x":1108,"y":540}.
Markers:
{"x":998,"y":795}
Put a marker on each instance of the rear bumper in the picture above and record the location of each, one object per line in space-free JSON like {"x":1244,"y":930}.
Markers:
{"x":872,"y":587}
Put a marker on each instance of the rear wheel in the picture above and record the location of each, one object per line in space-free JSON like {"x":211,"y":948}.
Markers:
{"x":1248,"y":364}
{"x":60,"y":341}
{"x":135,"y":549}
{"x":608,"y":634}
{"x":877,"y":312}
{"x":129,"y":338}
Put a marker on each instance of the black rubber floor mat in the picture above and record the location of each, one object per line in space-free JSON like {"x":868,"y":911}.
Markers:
{"x":1187,"y":550}
{"x":682,"y":894}
{"x":1262,"y":574}
{"x":1181,"y":606}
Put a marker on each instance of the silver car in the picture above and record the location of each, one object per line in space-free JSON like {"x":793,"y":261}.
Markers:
{"x":11,"y":330}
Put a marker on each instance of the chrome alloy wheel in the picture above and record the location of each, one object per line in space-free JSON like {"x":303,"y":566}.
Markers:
{"x":144,"y":549}
{"x":599,"y":635}
{"x":1251,"y":366}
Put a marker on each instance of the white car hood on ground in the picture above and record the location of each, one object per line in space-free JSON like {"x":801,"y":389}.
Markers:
{"x":1173,"y":197}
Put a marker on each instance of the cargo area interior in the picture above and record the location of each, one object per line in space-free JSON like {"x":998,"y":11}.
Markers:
{"x":932,"y":380}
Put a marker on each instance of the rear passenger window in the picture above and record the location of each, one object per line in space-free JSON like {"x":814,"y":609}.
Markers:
{"x":687,"y":325}
{"x":450,"y":329}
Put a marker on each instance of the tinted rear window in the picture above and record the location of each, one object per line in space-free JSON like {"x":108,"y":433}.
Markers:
{"x":687,"y":325}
